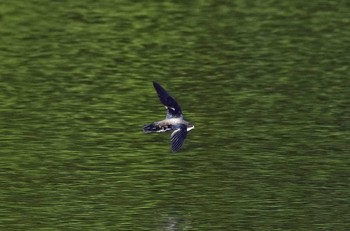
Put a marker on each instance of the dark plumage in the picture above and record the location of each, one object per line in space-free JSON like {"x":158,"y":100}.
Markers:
{"x":173,"y":121}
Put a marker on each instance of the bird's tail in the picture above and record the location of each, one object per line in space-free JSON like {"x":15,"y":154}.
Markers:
{"x":148,"y":128}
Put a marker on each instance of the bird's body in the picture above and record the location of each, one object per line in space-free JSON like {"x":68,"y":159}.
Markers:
{"x":173,"y":122}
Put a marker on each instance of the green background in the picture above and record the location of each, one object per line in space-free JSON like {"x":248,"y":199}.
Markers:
{"x":266,"y":83}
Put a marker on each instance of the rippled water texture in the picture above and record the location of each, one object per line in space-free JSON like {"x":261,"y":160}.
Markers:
{"x":266,"y":84}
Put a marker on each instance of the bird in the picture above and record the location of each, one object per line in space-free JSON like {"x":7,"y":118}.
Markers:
{"x":174,"y":121}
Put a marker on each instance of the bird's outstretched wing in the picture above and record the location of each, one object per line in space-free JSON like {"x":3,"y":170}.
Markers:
{"x":178,"y":137}
{"x":173,"y":108}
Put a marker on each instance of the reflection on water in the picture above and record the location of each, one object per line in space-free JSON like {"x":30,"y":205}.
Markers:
{"x":265,"y":83}
{"x":173,"y":223}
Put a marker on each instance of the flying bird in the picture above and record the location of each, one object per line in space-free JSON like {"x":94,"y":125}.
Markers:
{"x":174,"y":121}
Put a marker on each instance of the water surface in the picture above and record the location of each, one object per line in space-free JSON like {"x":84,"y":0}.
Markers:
{"x":265,"y":84}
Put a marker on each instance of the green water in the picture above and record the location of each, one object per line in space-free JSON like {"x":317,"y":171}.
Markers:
{"x":266,"y":84}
